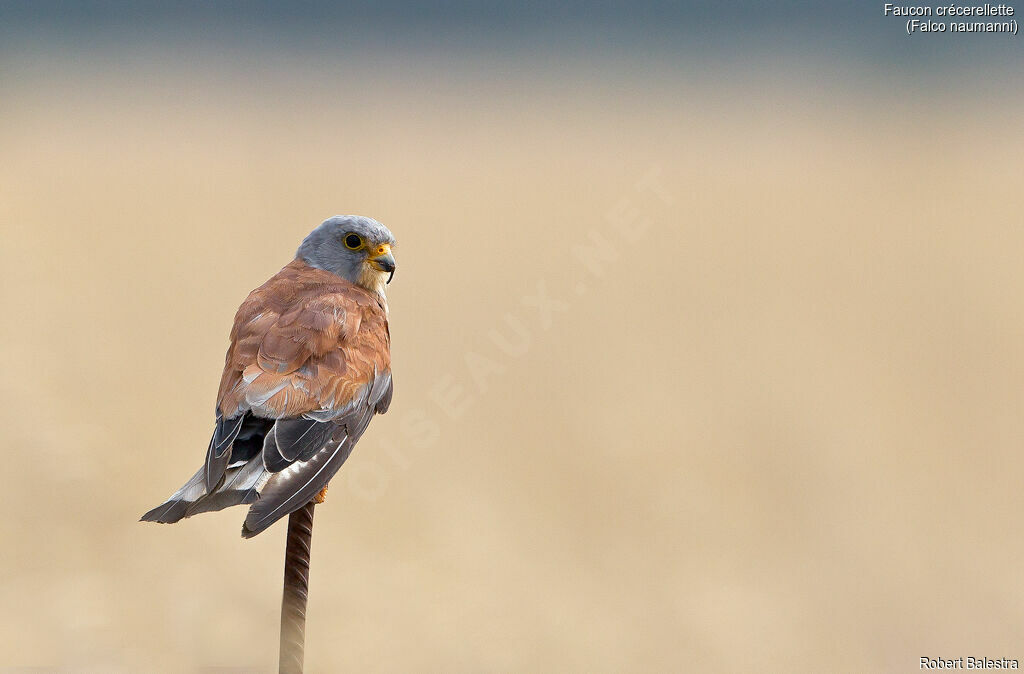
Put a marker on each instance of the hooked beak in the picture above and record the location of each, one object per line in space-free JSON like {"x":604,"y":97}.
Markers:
{"x":382,"y":260}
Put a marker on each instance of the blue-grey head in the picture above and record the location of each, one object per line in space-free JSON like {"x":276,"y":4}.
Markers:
{"x":354,"y":247}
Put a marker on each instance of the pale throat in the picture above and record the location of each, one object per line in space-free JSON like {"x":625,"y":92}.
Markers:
{"x":375,"y":281}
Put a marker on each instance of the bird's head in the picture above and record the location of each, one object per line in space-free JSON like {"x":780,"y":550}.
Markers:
{"x":354,"y":247}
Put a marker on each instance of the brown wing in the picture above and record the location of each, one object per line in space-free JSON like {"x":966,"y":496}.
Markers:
{"x":306,"y":347}
{"x":304,"y":343}
{"x":308,"y":366}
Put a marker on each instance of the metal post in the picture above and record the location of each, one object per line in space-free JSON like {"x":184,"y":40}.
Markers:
{"x":296,"y":589}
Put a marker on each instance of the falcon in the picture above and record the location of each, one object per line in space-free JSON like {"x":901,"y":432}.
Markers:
{"x":308,"y":367}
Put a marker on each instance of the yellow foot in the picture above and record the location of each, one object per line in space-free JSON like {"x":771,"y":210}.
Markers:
{"x":321,"y":496}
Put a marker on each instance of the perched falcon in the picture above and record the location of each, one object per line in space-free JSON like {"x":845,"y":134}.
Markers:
{"x":308,"y":366}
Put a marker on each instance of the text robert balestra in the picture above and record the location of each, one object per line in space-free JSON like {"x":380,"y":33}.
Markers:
{"x":968,"y":663}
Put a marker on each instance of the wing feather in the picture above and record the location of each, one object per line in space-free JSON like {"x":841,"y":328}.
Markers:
{"x":218,"y":455}
{"x":291,"y":438}
{"x":296,"y":485}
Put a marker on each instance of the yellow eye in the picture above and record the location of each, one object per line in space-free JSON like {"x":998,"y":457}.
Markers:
{"x":353,"y":241}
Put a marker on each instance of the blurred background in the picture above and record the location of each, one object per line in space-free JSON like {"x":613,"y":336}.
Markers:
{"x":707,"y":333}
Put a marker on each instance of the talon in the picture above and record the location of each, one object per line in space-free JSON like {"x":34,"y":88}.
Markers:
{"x":321,"y":496}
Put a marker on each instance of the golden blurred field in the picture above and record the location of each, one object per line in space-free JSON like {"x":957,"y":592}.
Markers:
{"x":778,"y":431}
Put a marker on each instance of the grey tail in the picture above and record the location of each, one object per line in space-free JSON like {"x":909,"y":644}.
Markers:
{"x":241,"y":484}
